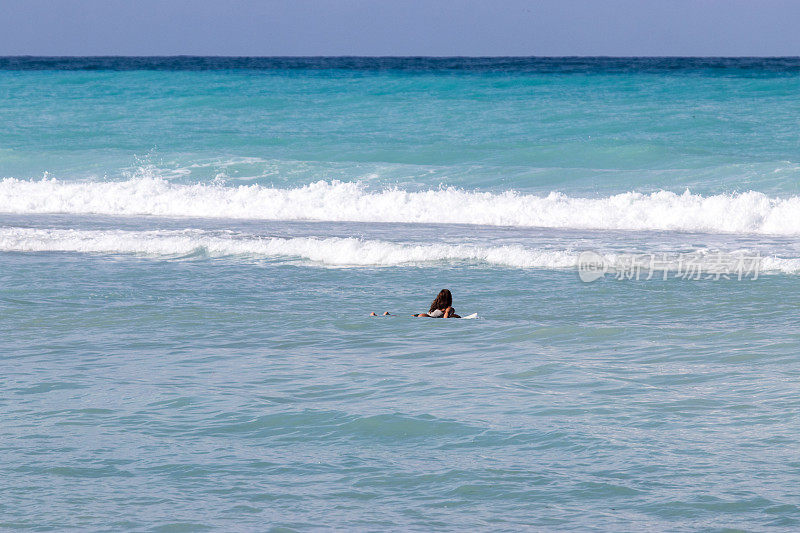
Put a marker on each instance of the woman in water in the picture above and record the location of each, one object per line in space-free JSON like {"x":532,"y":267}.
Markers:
{"x":442,"y":306}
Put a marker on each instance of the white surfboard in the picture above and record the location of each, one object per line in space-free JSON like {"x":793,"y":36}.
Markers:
{"x":473,"y":315}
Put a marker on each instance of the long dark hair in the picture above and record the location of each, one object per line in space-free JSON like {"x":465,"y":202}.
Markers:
{"x":442,"y":301}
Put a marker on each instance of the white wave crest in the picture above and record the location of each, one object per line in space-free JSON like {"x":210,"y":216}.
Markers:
{"x":749,"y":212}
{"x":332,"y":251}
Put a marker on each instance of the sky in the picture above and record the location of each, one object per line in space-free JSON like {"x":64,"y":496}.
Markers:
{"x":401,"y":27}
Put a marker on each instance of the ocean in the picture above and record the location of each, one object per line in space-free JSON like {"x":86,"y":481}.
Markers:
{"x":190,"y":249}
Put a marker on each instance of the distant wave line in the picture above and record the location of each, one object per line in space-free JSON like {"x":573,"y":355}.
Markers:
{"x":324,"y":251}
{"x":743,"y":213}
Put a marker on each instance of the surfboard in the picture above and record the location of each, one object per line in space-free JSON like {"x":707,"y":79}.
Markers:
{"x":473,"y":315}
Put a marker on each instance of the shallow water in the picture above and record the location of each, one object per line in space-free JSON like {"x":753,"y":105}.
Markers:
{"x":183,"y":304}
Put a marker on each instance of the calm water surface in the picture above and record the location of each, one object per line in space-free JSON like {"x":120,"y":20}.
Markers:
{"x":189,"y":249}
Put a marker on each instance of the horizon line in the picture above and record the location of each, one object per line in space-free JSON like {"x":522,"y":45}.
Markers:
{"x":346,"y":56}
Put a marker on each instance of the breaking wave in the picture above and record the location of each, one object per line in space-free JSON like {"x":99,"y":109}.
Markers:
{"x":332,"y":251}
{"x":329,"y":251}
{"x":748,"y":212}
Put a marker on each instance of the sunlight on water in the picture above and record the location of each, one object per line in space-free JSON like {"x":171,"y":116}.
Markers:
{"x":190,"y":249}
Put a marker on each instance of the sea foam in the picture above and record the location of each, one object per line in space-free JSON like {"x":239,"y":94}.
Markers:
{"x":333,"y":251}
{"x":330,"y":251}
{"x":748,"y":212}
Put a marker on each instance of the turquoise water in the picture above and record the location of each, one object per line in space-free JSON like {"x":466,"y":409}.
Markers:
{"x":189,"y":249}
